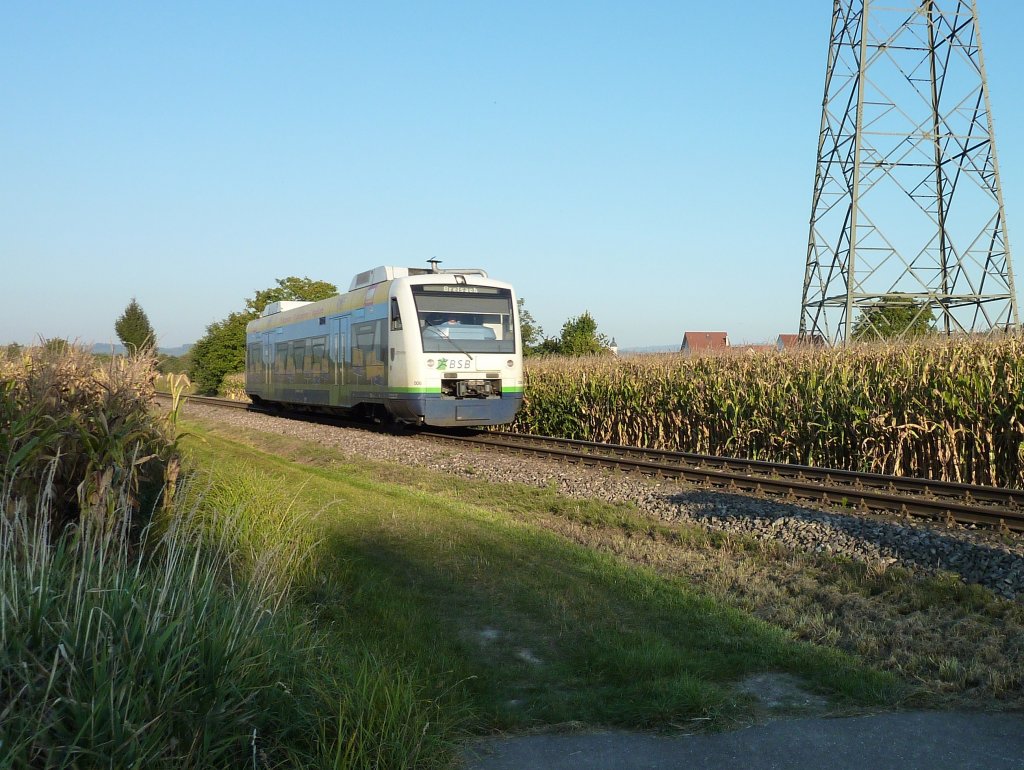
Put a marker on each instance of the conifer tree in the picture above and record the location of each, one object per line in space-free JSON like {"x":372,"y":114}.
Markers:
{"x":134,"y":330}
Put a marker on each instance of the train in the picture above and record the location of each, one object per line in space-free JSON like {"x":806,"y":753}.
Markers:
{"x":421,"y":346}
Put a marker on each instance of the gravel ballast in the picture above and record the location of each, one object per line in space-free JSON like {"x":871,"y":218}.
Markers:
{"x":977,"y":556}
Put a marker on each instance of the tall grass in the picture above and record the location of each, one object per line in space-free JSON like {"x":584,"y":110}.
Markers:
{"x":148,"y":630}
{"x":949,"y":410}
{"x":115,"y":657}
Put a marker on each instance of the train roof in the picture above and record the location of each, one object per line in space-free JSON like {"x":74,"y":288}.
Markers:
{"x":280,"y":307}
{"x":389,"y":273}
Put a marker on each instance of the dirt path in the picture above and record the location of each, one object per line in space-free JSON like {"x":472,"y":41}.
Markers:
{"x":904,"y":741}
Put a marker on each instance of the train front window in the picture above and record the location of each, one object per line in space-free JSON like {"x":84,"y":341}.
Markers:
{"x":465,"y":319}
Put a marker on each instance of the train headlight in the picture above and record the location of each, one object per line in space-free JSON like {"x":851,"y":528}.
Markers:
{"x":430,"y":362}
{"x":510,"y":363}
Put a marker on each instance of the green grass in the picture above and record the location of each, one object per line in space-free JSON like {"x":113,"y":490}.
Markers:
{"x":151,"y":660}
{"x":521,"y":626}
{"x":187,"y":652}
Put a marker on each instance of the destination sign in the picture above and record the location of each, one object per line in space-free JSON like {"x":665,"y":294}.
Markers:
{"x":456,"y":289}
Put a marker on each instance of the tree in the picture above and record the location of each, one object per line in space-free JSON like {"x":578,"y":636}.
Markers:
{"x":291,"y":288}
{"x":550,"y":346}
{"x":221,"y":351}
{"x":529,"y":329}
{"x":893,"y":316}
{"x":580,"y":337}
{"x":173,"y":364}
{"x":134,"y":330}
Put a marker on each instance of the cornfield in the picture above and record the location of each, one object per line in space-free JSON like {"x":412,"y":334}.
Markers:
{"x":233,"y":387}
{"x":946,"y":410}
{"x":83,"y":430}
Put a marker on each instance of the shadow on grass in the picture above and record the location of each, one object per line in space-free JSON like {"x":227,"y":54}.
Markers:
{"x":537,"y":630}
{"x":452,"y":580}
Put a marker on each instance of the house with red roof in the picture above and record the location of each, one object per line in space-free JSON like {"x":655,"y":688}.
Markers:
{"x":704,"y":342}
{"x":790,"y":341}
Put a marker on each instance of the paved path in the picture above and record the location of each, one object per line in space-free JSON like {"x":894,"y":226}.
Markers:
{"x":906,"y":741}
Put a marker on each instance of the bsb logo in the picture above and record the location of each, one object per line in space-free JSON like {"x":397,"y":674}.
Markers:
{"x":448,"y":364}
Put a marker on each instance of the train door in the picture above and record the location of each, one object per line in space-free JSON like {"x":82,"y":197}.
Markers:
{"x":397,"y":374}
{"x":339,"y":348}
{"x":268,"y":360}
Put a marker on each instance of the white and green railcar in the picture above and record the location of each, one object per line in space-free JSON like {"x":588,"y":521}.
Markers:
{"x":424,"y":346}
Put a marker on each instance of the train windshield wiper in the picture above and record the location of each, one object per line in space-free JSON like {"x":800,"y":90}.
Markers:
{"x":447,"y":338}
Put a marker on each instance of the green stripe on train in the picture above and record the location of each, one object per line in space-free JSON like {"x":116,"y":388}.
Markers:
{"x":438,"y":390}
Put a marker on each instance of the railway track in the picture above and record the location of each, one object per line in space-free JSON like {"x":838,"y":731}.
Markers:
{"x":225,"y":403}
{"x":992,"y":507}
{"x":995,"y":507}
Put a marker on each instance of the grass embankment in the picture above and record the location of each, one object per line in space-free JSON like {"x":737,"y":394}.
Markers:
{"x":949,"y":409}
{"x":635,"y":621}
{"x":465,"y":584}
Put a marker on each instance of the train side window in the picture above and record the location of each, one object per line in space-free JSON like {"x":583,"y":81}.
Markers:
{"x":281,"y":358}
{"x":396,"y":317}
{"x":299,"y":355}
{"x":364,"y":338}
{"x":317,"y":354}
{"x":381,"y":340}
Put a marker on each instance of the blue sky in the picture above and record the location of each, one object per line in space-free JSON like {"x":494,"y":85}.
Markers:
{"x":649,"y":162}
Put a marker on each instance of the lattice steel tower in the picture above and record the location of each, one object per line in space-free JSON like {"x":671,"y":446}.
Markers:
{"x":907,"y":197}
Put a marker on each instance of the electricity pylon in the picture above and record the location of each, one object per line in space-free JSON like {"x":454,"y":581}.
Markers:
{"x":907,"y":199}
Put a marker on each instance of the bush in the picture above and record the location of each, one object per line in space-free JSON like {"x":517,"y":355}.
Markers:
{"x":219,"y":352}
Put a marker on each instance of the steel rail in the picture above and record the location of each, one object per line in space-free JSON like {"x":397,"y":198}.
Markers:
{"x":1012,"y":499}
{"x":227,"y":403}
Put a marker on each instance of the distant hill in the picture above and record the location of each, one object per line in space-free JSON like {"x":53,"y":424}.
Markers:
{"x":106,"y":348}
